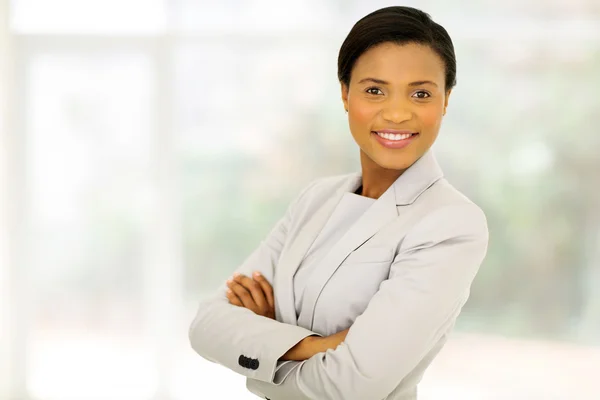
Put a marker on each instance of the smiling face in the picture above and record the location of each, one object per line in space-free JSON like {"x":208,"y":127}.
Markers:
{"x":395,"y":101}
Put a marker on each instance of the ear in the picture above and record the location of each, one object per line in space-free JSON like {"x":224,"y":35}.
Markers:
{"x":345,"y":96}
{"x":446,"y":100}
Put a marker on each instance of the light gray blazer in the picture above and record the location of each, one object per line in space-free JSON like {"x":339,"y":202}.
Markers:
{"x":399,"y":278}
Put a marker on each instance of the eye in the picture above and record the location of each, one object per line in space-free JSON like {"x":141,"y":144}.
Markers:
{"x":374,"y":91}
{"x":421,"y":94}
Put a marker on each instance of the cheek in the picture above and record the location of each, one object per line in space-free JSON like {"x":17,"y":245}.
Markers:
{"x":431,"y":116}
{"x":361,"y":114}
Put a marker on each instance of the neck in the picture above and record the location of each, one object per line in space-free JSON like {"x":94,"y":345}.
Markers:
{"x":376,"y":179}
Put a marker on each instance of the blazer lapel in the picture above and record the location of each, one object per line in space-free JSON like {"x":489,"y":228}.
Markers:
{"x":292,"y":258}
{"x":381,"y":212}
{"x":405,"y":190}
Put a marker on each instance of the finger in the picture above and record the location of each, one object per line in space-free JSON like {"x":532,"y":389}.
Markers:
{"x":242,"y":294}
{"x":254,"y":288}
{"x":266,"y":287}
{"x":233,"y":299}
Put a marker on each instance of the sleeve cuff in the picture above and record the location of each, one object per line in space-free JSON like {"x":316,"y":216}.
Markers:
{"x":283,"y":369}
{"x":277,"y":348}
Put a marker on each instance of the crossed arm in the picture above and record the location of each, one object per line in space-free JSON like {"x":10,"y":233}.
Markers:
{"x":256,"y":294}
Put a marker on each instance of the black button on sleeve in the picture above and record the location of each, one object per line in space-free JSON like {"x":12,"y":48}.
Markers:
{"x":246,"y":362}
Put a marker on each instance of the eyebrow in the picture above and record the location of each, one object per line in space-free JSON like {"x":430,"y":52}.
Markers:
{"x":382,"y":82}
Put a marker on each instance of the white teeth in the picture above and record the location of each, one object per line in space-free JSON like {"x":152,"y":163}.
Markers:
{"x":392,"y":136}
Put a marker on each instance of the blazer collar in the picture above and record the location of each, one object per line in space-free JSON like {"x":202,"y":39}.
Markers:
{"x":409,"y":186}
{"x":416,"y":179}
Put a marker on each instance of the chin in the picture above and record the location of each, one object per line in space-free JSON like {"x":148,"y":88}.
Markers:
{"x":396,"y":163}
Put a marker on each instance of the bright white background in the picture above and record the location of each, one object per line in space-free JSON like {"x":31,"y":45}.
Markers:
{"x":148,"y":145}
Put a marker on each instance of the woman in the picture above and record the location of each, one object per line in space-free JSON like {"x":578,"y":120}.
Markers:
{"x":357,"y":287}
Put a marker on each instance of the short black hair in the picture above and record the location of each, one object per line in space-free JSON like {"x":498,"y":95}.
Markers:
{"x":400,"y":25}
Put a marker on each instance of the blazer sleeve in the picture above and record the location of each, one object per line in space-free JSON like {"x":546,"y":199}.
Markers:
{"x":237,"y":338}
{"x":429,"y":282}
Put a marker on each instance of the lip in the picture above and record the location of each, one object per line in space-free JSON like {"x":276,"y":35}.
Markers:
{"x":395,"y":144}
{"x":395,"y":131}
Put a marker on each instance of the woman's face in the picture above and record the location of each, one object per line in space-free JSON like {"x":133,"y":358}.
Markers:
{"x":395,"y":102}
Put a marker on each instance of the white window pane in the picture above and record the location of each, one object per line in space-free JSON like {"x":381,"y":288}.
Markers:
{"x":89,"y":16}
{"x":90,"y":192}
{"x":242,"y":95}
{"x":248,"y":17}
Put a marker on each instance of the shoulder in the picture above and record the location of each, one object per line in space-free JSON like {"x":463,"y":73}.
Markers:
{"x":324,"y":187}
{"x":333,"y":182}
{"x":316,"y":192}
{"x":442,"y":194}
{"x":443,"y":211}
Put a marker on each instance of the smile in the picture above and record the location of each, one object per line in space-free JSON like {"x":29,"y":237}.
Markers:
{"x":395,"y":136}
{"x":394,"y":139}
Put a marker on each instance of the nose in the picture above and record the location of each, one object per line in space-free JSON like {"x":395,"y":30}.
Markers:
{"x":397,"y":110}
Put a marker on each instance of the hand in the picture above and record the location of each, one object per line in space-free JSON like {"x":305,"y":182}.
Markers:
{"x":311,"y":345}
{"x":254,"y":294}
{"x":333,"y":341}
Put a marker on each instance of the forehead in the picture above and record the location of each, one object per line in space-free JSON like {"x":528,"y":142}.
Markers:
{"x":394,"y":62}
